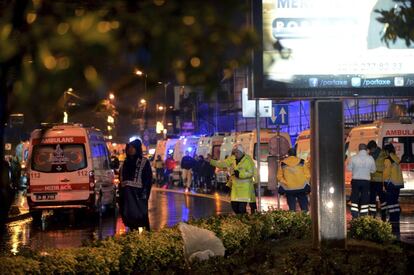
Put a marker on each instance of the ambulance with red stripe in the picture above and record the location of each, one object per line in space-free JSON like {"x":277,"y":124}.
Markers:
{"x":69,"y":167}
{"x":399,"y":132}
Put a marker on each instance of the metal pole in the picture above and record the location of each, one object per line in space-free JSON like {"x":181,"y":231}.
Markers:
{"x":277,"y":164}
{"x":259,"y":196}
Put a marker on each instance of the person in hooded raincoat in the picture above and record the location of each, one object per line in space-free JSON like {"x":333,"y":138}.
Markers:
{"x":135,"y":188}
{"x":242,"y":169}
{"x":294,"y":176}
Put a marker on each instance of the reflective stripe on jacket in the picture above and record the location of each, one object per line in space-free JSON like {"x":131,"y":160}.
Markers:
{"x":293,"y":174}
{"x":242,"y":188}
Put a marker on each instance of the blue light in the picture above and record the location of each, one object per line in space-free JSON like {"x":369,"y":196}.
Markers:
{"x":190,"y":149}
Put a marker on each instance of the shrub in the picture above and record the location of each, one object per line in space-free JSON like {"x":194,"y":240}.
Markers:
{"x":371,"y":229}
{"x":18,"y":265}
{"x":294,"y":224}
{"x":102,"y":259}
{"x":58,"y":261}
{"x":235,"y":234}
{"x":152,"y":251}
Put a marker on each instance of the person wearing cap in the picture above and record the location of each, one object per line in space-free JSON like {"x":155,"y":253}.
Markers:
{"x":294,"y":176}
{"x":135,"y":187}
{"x":242,"y":170}
{"x":362,"y":165}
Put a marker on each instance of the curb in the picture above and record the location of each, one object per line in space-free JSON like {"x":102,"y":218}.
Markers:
{"x":18,"y":217}
{"x":218,"y":196}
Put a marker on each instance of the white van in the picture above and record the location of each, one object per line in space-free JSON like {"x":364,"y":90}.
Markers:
{"x":165,"y":148}
{"x":69,"y":167}
{"x":210,"y":145}
{"x":249,"y":142}
{"x":302,"y":145}
{"x":398,"y":132}
{"x":225,"y":151}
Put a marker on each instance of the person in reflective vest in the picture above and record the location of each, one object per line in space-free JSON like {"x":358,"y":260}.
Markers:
{"x":242,"y":170}
{"x":294,"y":176}
{"x":393,"y":182}
{"x":376,"y":186}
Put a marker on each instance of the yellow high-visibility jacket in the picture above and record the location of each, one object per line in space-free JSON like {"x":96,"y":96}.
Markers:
{"x":242,"y":188}
{"x":293,"y":173}
{"x":392,"y":171}
{"x":379,"y":156}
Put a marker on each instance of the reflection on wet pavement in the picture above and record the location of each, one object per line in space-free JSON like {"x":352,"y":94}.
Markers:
{"x":69,"y":229}
{"x":166,"y":208}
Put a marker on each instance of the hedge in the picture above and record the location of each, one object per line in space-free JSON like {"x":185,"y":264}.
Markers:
{"x":163,"y":250}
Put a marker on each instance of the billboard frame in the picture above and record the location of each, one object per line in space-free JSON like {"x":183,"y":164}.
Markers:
{"x":281,"y":91}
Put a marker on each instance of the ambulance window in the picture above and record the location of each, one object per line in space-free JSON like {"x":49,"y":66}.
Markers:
{"x":216,"y":152}
{"x":100,"y":157}
{"x":264,"y":151}
{"x":55,"y":158}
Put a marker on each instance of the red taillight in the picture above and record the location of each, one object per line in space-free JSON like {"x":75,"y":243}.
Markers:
{"x":91,"y":180}
{"x":407,"y":166}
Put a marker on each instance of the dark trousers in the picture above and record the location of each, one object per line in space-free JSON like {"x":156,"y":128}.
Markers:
{"x":359,"y":197}
{"x":253,"y":207}
{"x":239,"y":207}
{"x":392,"y":194}
{"x":160,"y":174}
{"x":376,"y":189}
{"x":300,"y":195}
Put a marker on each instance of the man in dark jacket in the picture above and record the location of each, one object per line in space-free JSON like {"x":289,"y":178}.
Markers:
{"x":187,"y":164}
{"x":136,"y":183}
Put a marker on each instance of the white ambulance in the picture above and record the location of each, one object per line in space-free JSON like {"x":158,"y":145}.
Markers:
{"x":302,"y":145}
{"x":69,"y":167}
{"x":225,"y":151}
{"x":210,"y":145}
{"x":398,"y":132}
{"x":249,"y":142}
{"x":164,"y":148}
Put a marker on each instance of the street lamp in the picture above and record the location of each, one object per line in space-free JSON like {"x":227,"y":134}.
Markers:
{"x":111,"y":96}
{"x":165,"y":98}
{"x":142,"y":74}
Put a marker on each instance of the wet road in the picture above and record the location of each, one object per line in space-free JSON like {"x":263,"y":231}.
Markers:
{"x":71,"y":229}
{"x":166,"y":208}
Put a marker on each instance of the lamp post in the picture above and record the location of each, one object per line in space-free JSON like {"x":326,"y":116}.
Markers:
{"x":165,"y":99}
{"x":142,"y":74}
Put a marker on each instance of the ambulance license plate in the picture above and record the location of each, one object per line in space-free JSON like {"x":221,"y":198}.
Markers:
{"x":45,"y":196}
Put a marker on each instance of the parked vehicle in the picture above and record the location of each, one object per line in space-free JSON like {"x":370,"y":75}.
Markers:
{"x":225,"y":151}
{"x":69,"y":167}
{"x":210,"y":145}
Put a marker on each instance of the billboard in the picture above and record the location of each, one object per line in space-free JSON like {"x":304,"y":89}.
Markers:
{"x":328,"y":48}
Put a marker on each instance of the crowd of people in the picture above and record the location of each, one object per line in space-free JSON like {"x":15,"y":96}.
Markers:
{"x":376,"y":173}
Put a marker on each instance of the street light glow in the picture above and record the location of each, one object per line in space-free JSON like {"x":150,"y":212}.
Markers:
{"x":138,"y":72}
{"x":111,"y":96}
{"x":160,"y":108}
{"x":143,"y":101}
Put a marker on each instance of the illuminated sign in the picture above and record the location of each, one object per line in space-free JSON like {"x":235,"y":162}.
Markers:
{"x":328,"y":48}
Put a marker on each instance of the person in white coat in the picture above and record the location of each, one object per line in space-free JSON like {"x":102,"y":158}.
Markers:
{"x":362,"y":165}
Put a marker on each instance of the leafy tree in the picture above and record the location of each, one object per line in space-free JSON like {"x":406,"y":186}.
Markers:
{"x":48,"y":46}
{"x":399,"y":22}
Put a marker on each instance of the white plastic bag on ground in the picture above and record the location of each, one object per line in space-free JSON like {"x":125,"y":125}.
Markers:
{"x":200,"y":243}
